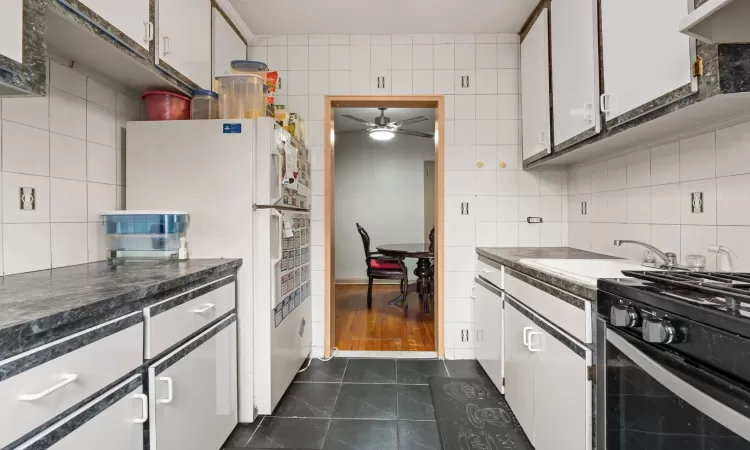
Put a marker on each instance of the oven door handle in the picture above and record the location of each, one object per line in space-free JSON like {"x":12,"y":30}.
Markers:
{"x":706,"y":404}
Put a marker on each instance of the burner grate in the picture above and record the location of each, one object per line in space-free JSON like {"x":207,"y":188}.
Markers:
{"x":732,"y":285}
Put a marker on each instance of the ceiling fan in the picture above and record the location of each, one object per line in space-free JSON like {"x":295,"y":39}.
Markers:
{"x":382,"y":129}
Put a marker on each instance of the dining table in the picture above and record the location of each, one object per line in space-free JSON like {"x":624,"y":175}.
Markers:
{"x":424,"y":253}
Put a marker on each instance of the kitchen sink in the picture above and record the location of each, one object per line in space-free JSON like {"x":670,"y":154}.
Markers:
{"x":585,"y":271}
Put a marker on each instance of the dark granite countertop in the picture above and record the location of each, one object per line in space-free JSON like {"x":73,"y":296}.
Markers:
{"x":509,"y":257}
{"x":38,"y":307}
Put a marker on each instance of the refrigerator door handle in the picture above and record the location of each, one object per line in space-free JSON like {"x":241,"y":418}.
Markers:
{"x":276,"y":259}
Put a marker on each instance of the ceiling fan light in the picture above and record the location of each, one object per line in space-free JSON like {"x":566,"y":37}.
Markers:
{"x":382,"y":134}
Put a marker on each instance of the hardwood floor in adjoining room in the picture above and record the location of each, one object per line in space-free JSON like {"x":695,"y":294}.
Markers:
{"x":384,"y":327}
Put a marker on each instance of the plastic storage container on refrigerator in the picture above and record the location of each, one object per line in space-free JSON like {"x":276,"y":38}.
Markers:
{"x":204,"y":105}
{"x":144,"y":234}
{"x":241,"y":96}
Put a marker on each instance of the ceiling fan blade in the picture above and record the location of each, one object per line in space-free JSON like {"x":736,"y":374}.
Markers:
{"x":414,"y":133}
{"x":357,"y":119}
{"x":364,"y":130}
{"x":410,"y":121}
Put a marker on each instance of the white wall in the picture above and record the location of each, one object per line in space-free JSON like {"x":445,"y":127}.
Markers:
{"x":68,"y":146}
{"x":645,"y":195}
{"x":482,"y":125}
{"x":380,"y":185}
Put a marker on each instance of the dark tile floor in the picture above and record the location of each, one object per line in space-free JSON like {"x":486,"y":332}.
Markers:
{"x":366,"y":404}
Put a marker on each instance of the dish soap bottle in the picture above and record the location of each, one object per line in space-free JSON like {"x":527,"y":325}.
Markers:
{"x":725,"y":257}
{"x":182,"y":253}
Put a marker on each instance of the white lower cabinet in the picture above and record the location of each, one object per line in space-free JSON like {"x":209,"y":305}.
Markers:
{"x":547,"y":385}
{"x":119,"y":425}
{"x":488,"y":346}
{"x":519,"y":369}
{"x":193,"y":392}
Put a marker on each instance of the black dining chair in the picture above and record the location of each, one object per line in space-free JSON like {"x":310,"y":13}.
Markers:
{"x":380,"y":267}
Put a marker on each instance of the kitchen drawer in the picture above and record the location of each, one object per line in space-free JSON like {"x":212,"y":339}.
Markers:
{"x":34,"y":396}
{"x":490,"y":273}
{"x":570,"y":318}
{"x":174,"y":319}
{"x":113,"y":421}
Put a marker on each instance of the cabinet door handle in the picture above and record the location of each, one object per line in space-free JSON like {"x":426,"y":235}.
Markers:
{"x":530,"y":346}
{"x":526,"y":331}
{"x":67,"y":378}
{"x":166,"y":50}
{"x":473,"y":293}
{"x":170,"y":390}
{"x":205,"y":308}
{"x":542,"y":137}
{"x":149,"y":31}
{"x":144,"y":408}
{"x":604,"y":103}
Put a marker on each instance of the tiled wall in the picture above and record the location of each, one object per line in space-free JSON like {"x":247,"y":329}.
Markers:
{"x":646,"y":195}
{"x":481,"y":142}
{"x":69,"y":147}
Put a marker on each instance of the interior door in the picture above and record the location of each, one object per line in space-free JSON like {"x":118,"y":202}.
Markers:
{"x":194,"y":400}
{"x":644,"y":54}
{"x":131,"y":17}
{"x":519,"y":369}
{"x":560,"y":384}
{"x":575,"y":77}
{"x":535,"y":89}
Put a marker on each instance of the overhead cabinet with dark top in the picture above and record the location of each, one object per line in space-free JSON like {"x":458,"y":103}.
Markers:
{"x":23,"y":53}
{"x":623,"y":75}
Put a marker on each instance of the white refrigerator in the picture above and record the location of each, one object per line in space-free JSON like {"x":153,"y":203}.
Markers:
{"x":246,"y":187}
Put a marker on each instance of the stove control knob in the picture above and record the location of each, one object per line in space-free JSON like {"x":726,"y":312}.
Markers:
{"x":658,"y":331}
{"x":623,"y":316}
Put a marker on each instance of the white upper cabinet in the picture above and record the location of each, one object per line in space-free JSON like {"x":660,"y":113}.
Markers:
{"x":719,"y":22}
{"x":644,"y":54}
{"x":535,"y":88}
{"x":575,"y":69}
{"x":130,"y":17}
{"x":228,"y":45}
{"x":11,"y":30}
{"x":185,"y":38}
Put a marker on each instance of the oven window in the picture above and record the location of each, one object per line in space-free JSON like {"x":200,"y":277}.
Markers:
{"x":642,"y":414}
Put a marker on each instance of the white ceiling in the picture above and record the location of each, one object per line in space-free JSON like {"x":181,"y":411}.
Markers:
{"x":312,"y":17}
{"x":396,"y":114}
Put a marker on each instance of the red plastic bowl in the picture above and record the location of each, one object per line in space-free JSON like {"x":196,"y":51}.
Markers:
{"x":163,"y":105}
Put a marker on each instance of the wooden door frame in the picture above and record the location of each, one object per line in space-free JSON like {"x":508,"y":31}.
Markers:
{"x":407,"y":101}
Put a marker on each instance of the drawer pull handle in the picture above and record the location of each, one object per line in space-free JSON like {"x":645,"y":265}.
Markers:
{"x":205,"y":308}
{"x":144,"y":408}
{"x":526,"y":336}
{"x":66,"y":379}
{"x":170,"y":391}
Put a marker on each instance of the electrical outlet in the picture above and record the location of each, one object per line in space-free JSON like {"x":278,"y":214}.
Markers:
{"x":584,"y":209}
{"x":696,"y":202}
{"x":27,"y":198}
{"x":464,"y":208}
{"x":465,"y":335}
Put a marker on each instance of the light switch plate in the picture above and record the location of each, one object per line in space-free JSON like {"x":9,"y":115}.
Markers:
{"x":534,"y":219}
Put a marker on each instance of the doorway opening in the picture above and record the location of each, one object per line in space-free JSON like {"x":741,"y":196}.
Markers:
{"x":383,"y":216}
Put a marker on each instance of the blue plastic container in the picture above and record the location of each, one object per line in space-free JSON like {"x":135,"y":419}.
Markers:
{"x":144,"y":234}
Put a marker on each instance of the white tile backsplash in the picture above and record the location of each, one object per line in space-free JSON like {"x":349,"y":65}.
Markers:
{"x":83,"y":144}
{"x":659,"y":206}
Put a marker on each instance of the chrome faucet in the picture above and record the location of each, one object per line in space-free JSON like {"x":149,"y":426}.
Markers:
{"x":669,"y":258}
